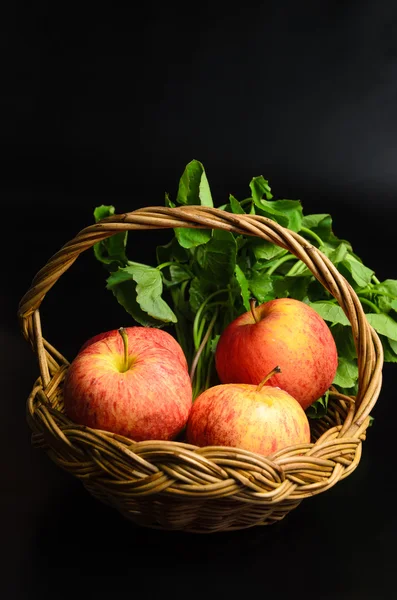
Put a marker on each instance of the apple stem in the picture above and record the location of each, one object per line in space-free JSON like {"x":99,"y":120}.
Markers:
{"x":252,"y":307}
{"x":124,"y":337}
{"x":272,"y":372}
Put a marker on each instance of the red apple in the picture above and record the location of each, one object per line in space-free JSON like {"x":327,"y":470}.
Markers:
{"x":131,"y":381}
{"x":285,"y":332}
{"x":261,"y":419}
{"x":151,"y":337}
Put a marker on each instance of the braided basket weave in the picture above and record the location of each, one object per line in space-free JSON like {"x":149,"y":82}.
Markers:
{"x":173,"y":485}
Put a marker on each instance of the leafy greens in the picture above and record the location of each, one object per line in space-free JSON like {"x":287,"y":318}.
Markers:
{"x":205,"y":278}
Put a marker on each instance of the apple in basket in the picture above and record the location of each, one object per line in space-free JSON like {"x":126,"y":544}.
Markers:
{"x":284,"y":331}
{"x":258,"y":418}
{"x":133,"y":382}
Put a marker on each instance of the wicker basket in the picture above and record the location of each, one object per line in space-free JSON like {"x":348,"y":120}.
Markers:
{"x":173,"y":485}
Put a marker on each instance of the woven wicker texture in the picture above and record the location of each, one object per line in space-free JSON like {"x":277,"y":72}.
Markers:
{"x":172,"y":485}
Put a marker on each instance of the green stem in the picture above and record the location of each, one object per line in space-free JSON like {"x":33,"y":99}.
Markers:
{"x":375,"y":293}
{"x":375,"y":279}
{"x":370,"y":304}
{"x":199,"y":334}
{"x":202,"y":345}
{"x":264,"y":266}
{"x":212,"y":304}
{"x":124,"y":337}
{"x":369,"y":290}
{"x":209,"y":372}
{"x":165,"y":264}
{"x":313,"y":235}
{"x":200,"y":312}
{"x":279,"y":262}
{"x":295,"y":268}
{"x":197,"y":380}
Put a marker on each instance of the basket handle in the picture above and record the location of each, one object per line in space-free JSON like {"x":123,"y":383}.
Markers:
{"x":368,"y":345}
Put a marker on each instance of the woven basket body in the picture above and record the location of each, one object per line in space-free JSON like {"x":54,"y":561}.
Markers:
{"x":172,"y":485}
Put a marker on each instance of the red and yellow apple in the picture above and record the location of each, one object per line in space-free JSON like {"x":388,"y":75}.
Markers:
{"x":133,"y":382}
{"x":261,"y":419}
{"x":286,"y":332}
{"x":146,"y":337}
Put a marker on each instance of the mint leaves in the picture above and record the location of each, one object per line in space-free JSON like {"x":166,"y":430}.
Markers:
{"x":193,"y":186}
{"x":148,"y":290}
{"x":111,"y":251}
{"x":205,"y":278}
{"x":330,"y":312}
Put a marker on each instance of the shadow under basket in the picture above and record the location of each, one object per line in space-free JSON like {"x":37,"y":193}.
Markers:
{"x":177,"y":486}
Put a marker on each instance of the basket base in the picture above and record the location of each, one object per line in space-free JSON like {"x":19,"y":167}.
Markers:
{"x":211,"y":516}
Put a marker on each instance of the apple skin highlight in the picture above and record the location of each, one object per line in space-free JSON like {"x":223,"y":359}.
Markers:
{"x":240,"y":416}
{"x":150,"y":400}
{"x":288,"y":333}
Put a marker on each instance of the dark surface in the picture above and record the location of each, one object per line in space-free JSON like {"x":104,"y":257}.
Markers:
{"x":109,"y":107}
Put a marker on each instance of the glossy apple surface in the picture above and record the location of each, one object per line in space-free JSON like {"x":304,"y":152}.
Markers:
{"x":288,"y":333}
{"x":240,"y":416}
{"x":148,"y":396}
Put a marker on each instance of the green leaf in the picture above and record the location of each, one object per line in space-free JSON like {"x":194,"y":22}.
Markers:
{"x":287,"y":213}
{"x":321,"y":224}
{"x":293,"y":210}
{"x":393,"y":345}
{"x":125,"y":293}
{"x":190,"y":238}
{"x":149,"y":289}
{"x":110,"y":251}
{"x":389,"y":286}
{"x":243,"y":283}
{"x":265,"y":250}
{"x":261,"y":287}
{"x":317,"y":292}
{"x":383,"y":324}
{"x":217,"y":258}
{"x":198,"y":291}
{"x":389,"y":349}
{"x":214,"y":343}
{"x":235,"y":206}
{"x":293,"y":287}
{"x":103,"y":211}
{"x":171,"y":251}
{"x":386,"y":304}
{"x":360,"y":273}
{"x":388,"y":301}
{"x":193,"y":186}
{"x":336,"y":255}
{"x":241,"y":241}
{"x":260,"y":187}
{"x":319,"y":408}
{"x":193,"y":189}
{"x":330,"y":312}
{"x":318,"y":221}
{"x":168,"y":201}
{"x":344,"y":341}
{"x":347,"y":373}
{"x":178,"y":274}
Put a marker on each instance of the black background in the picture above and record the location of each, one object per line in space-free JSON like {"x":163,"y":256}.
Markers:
{"x":108,"y":106}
